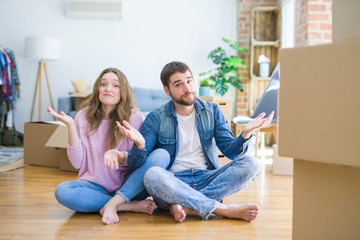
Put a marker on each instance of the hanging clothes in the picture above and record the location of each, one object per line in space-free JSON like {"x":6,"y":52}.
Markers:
{"x":9,"y":83}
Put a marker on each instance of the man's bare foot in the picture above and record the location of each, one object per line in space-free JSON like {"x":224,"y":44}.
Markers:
{"x":144,"y":206}
{"x":109,"y":211}
{"x":247,"y":211}
{"x":179,"y":212}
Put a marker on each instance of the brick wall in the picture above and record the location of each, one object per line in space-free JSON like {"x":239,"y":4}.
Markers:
{"x":313,"y":22}
{"x":313,"y":26}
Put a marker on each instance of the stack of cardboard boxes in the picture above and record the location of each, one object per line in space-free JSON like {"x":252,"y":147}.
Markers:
{"x":319,"y":105}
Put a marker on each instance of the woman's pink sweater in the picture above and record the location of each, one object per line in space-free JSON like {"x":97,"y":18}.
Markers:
{"x":88,"y":157}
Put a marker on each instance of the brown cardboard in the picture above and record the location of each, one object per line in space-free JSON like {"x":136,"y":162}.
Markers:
{"x":59,"y":140}
{"x":326,"y":201}
{"x":345,"y":20}
{"x":319,"y":103}
{"x":36,"y":135}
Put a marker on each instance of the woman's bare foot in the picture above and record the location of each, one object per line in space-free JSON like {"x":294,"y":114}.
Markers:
{"x":144,"y":206}
{"x":109,"y":211}
{"x":179,"y":212}
{"x":247,"y":211}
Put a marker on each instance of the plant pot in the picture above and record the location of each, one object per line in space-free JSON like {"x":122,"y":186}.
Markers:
{"x":204,"y":91}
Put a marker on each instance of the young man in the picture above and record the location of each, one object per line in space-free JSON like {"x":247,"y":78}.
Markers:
{"x":188,"y":128}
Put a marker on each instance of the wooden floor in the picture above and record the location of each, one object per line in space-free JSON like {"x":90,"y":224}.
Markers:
{"x":29,"y":210}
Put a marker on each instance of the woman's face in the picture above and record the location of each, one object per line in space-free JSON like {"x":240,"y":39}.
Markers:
{"x":109,"y":91}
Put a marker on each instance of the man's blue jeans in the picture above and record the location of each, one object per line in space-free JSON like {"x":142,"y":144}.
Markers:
{"x":84,"y":196}
{"x":200,"y":190}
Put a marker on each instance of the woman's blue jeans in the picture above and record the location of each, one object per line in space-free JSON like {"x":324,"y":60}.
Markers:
{"x":84,"y":196}
{"x":200,"y":190}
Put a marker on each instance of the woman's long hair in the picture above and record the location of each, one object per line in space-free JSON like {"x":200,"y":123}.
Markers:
{"x":122,"y":111}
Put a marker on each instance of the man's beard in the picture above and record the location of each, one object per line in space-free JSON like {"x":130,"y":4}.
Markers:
{"x":182,"y":101}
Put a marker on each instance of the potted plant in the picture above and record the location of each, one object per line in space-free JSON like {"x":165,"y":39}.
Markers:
{"x":204,"y":89}
{"x":226,"y":71}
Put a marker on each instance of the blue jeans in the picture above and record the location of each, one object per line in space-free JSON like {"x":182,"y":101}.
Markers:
{"x":84,"y":196}
{"x":200,"y":190}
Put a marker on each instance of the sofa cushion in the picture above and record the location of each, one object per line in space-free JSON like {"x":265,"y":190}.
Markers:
{"x":149,"y":99}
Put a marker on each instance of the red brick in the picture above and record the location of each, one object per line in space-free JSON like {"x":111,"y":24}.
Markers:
{"x":328,"y":36}
{"x":242,"y":19}
{"x":312,"y":26}
{"x":314,"y":35}
{"x":318,"y":17}
{"x":326,"y":26}
{"x":316,"y":8}
{"x":244,"y":13}
{"x":244,"y":31}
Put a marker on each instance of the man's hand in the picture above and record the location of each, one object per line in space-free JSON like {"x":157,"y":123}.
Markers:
{"x":113,"y":157}
{"x":131,"y":133}
{"x":256,"y":124}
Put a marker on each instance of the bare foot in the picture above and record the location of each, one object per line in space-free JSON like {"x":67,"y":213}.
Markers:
{"x":144,"y":206}
{"x":118,"y":204}
{"x":109,"y":211}
{"x":247,"y":211}
{"x":179,"y":212}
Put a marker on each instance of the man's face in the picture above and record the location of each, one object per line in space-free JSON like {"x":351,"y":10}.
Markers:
{"x":181,"y":88}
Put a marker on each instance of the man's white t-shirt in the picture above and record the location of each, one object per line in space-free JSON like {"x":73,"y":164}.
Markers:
{"x":190,"y":153}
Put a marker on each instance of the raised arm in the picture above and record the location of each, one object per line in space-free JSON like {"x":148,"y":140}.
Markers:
{"x":74,"y":139}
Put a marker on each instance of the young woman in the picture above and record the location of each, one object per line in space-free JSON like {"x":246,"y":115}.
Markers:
{"x":95,"y":141}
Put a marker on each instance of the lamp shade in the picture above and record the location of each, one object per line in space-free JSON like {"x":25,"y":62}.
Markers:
{"x":44,"y":48}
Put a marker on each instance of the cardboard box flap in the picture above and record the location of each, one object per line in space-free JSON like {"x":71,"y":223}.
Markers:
{"x":59,"y":138}
{"x":319,"y":103}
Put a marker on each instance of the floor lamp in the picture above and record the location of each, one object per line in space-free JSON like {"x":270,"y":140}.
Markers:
{"x":42,"y":49}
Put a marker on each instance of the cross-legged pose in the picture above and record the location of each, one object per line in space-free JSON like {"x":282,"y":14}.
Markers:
{"x":189,"y":129}
{"x":94,"y":139}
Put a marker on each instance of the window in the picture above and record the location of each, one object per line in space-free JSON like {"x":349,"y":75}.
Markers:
{"x":288,"y":24}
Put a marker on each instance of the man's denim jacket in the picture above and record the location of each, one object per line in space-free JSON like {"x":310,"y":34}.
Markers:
{"x":160,"y":131}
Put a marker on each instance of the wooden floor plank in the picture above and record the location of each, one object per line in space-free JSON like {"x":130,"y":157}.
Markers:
{"x":29,"y":210}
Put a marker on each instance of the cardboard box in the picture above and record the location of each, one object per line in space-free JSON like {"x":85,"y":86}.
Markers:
{"x":36,"y":134}
{"x":58,"y":140}
{"x":325,"y":201}
{"x":319,"y":109}
{"x":319,"y":103}
{"x":281,"y":165}
{"x":345,"y":20}
{"x":45,"y":145}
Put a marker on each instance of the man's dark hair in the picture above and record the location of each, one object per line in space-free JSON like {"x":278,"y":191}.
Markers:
{"x":171,"y":68}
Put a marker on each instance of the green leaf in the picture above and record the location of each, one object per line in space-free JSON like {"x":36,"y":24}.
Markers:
{"x":226,"y":40}
{"x":240,"y":49}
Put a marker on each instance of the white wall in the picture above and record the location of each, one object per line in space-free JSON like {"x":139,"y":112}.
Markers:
{"x":151,"y":34}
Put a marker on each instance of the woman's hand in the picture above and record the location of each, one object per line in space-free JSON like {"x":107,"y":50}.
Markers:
{"x":61,"y":117}
{"x":113,"y":158}
{"x":131,"y":133}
